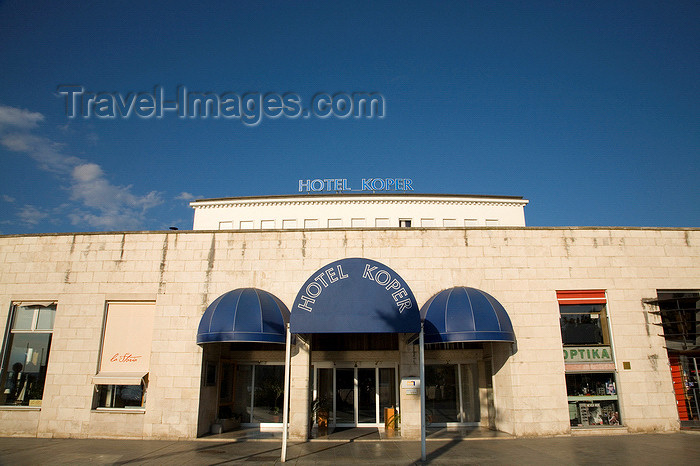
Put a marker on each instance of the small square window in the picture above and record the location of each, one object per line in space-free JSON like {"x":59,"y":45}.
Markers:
{"x":449,"y":222}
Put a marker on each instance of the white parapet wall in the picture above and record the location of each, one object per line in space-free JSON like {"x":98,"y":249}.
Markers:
{"x":313,"y":211}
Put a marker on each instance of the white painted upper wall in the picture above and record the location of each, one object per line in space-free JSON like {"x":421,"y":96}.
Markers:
{"x":357,"y":210}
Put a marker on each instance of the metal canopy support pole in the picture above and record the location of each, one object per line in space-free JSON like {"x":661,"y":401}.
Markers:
{"x":422,"y":394}
{"x":285,"y":408}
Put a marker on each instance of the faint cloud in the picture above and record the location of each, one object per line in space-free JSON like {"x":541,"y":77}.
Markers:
{"x":45,"y":152}
{"x":185,"y":196}
{"x":18,"y":118}
{"x":101,"y":204}
{"x":7,"y":198}
{"x":31,"y":215}
{"x":92,"y":138}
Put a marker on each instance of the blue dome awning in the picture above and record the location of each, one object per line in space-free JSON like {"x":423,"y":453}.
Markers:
{"x":462,"y":314}
{"x":355,"y":295}
{"x":244,"y":315}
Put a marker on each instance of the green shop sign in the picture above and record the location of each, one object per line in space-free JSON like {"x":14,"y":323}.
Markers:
{"x":587,"y":354}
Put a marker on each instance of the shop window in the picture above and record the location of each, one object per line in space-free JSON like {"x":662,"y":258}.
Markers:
{"x":125,"y":355}
{"x":591,"y":387}
{"x":120,"y":396}
{"x":592,"y":399}
{"x":251,"y":393}
{"x":26,"y":353}
{"x":680,"y":320}
{"x":451,"y":393}
{"x":584,"y":324}
{"x":583,"y":318}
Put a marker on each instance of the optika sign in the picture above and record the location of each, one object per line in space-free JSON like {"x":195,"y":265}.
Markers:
{"x":368,"y":184}
{"x":587,"y":354}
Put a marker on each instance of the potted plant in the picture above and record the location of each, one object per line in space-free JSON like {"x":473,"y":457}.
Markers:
{"x":321,"y":409}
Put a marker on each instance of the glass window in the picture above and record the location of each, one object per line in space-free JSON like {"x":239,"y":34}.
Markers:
{"x":592,"y":399}
{"x":269,"y":391}
{"x":387,"y":390}
{"x":449,"y":222}
{"x":24,"y":318}
{"x":26,"y":355}
{"x":405,"y":223}
{"x":120,"y":396}
{"x":45,"y":318}
{"x":335,"y":223}
{"x":469,"y":384}
{"x":583,"y":324}
{"x":441,"y":399}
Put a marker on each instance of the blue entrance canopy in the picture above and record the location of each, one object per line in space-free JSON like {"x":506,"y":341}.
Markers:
{"x":244,"y":315}
{"x":462,"y":314}
{"x":355,"y":295}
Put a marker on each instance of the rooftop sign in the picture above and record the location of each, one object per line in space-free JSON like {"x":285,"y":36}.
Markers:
{"x":368,"y":184}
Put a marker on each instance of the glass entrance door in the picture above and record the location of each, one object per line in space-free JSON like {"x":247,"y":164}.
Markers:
{"x":366,"y":396}
{"x":359,"y":395}
{"x":345,"y":396}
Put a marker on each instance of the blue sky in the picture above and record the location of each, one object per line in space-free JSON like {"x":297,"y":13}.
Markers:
{"x":590,"y":111}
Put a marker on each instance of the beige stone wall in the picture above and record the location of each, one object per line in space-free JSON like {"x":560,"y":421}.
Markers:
{"x":184,"y":271}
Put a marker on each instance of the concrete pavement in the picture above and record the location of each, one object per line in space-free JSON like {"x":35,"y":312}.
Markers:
{"x":672,"y":448}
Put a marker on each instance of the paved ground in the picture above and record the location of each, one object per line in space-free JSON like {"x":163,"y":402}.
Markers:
{"x":677,"y":448}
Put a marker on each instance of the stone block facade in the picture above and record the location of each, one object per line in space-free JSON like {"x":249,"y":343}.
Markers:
{"x":183,"y":272}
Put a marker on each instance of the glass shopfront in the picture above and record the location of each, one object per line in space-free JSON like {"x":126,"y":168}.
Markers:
{"x":451,"y":393}
{"x":591,"y":386}
{"x":251,"y":393}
